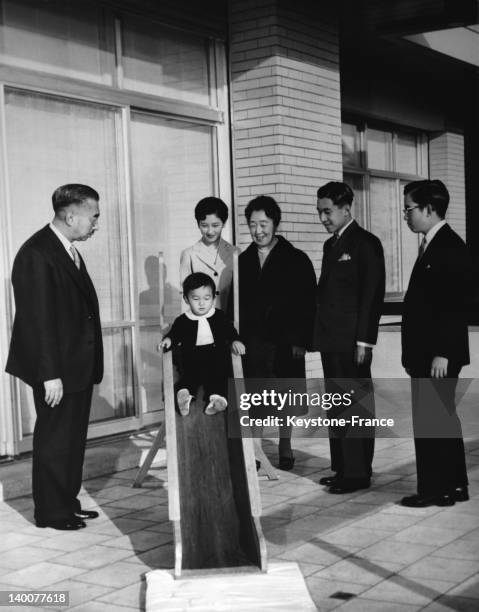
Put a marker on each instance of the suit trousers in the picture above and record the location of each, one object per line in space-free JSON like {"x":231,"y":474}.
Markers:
{"x":351,"y":449}
{"x":59,"y":440}
{"x":438,"y":441}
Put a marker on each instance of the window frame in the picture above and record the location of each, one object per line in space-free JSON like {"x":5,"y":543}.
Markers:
{"x":392,"y":298}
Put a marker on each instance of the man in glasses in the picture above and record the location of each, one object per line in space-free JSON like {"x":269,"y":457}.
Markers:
{"x":435,"y":345}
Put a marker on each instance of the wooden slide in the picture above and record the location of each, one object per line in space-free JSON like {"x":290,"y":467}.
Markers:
{"x":213,"y":493}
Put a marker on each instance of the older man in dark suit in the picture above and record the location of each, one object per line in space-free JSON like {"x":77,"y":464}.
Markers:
{"x":56,"y":348}
{"x":349,"y":300}
{"x":435,"y":345}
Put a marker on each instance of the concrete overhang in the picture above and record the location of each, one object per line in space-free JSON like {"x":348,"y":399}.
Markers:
{"x":461,"y":43}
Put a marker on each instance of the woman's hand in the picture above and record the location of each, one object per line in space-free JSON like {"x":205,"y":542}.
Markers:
{"x":298,"y":351}
{"x":238,"y":348}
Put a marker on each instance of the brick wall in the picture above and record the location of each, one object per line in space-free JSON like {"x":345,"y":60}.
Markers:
{"x":446,"y":162}
{"x":286,"y":115}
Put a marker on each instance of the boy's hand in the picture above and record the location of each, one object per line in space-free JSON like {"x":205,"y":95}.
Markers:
{"x":164,"y":344}
{"x":238,"y":348}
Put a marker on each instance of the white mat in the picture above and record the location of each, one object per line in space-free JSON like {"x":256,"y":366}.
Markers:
{"x":282,"y":588}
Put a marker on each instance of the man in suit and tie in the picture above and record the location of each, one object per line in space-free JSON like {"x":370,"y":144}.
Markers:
{"x":349,"y":301}
{"x":435,"y":345}
{"x":56,"y":348}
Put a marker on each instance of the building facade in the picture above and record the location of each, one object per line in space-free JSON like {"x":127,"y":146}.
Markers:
{"x":157,"y":105}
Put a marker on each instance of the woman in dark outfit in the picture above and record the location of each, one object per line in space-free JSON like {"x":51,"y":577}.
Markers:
{"x":277,"y":286}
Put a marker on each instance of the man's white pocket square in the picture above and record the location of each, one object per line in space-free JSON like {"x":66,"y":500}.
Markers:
{"x":345,"y":257}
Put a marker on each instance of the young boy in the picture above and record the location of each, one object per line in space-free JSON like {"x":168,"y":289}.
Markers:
{"x":205,"y":336}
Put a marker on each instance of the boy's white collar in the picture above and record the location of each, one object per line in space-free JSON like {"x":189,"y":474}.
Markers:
{"x":194,"y":317}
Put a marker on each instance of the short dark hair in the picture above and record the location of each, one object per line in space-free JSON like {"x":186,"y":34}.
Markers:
{"x":429,"y":192}
{"x":73,"y":193}
{"x":266,"y":203}
{"x":340,"y":194}
{"x":196,"y":280}
{"x":211,"y":206}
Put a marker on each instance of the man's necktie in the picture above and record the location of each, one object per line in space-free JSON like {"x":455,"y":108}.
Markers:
{"x":422,"y":248}
{"x":76,"y":257}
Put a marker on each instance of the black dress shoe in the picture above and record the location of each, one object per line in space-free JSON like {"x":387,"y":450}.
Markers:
{"x":423,"y":501}
{"x":460,"y":494}
{"x":86,"y":514}
{"x":328,"y":480}
{"x":349,"y":486}
{"x":69,"y":524}
{"x":286,"y":463}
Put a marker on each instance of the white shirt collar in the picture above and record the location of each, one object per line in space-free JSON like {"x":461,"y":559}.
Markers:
{"x":433,"y":231}
{"x":66,"y":243}
{"x":340,"y":232}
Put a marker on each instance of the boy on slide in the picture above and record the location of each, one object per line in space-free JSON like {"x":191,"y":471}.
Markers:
{"x":205,"y":337}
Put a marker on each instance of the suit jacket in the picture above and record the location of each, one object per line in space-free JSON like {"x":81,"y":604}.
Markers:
{"x":435,"y":305}
{"x":198,"y":259}
{"x":276,"y":302}
{"x":57,"y":330}
{"x":350,"y":291}
{"x":184,"y":331}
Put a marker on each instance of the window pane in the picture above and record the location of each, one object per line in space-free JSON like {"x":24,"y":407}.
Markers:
{"x":114,"y":399}
{"x":406,"y":154}
{"x":351,"y":146}
{"x":164,"y":62}
{"x":64,"y":38}
{"x":384,"y":207}
{"x":379,"y":147}
{"x":356,"y":182}
{"x":172,"y":171}
{"x":409,"y":245}
{"x":53,"y":141}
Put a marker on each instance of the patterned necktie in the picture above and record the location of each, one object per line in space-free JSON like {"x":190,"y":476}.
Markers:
{"x":422,"y":248}
{"x":76,"y":257}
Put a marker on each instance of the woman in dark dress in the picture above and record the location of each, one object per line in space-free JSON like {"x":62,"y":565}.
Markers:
{"x":277,"y":286}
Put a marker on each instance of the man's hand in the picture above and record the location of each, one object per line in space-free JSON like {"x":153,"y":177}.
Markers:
{"x":298,"y":351}
{"x":363,"y":354}
{"x":238,"y":348}
{"x":439,"y":367}
{"x":53,"y":391}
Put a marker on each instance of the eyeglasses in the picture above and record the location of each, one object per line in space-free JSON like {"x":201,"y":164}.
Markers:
{"x":406,"y":211}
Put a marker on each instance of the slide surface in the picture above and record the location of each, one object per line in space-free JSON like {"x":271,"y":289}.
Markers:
{"x":213,"y":491}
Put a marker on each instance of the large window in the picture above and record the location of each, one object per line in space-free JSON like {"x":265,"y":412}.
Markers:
{"x":377,"y":163}
{"x":137,"y":110}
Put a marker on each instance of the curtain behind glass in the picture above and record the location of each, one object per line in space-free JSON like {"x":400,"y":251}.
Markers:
{"x":53,"y":141}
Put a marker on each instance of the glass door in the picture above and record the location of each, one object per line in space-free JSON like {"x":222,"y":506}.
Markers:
{"x":172,"y":168}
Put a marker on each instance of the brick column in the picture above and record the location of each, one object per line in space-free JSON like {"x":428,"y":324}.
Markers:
{"x":286,"y":115}
{"x":285,"y":112}
{"x":446,"y":162}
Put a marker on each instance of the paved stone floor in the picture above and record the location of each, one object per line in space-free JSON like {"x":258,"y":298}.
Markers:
{"x":358,"y":552}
